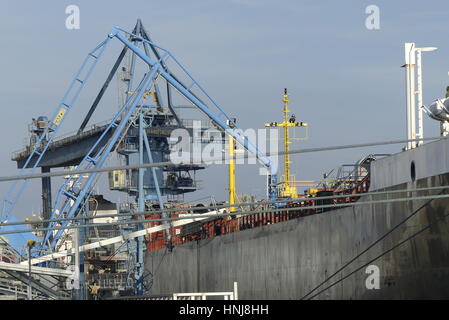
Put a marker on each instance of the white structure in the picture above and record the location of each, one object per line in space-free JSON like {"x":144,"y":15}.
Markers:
{"x":414,"y":92}
{"x":232,"y":295}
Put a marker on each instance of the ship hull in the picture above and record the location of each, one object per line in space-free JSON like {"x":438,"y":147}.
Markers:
{"x":286,"y":260}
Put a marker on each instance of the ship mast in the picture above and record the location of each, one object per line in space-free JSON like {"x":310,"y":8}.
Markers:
{"x":231,"y":150}
{"x":288,"y":180}
{"x":289,"y":189}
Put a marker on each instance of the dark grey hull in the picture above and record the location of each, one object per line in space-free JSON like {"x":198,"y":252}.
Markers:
{"x":286,"y":260}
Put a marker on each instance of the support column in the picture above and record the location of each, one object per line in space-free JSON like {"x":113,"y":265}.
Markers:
{"x":231,"y":153}
{"x":419,"y":96}
{"x":76,"y":262}
{"x":409,"y":49}
{"x":46,"y":196}
{"x":141,"y":207}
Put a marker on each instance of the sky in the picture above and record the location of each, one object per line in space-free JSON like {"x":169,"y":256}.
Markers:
{"x":345,"y":80}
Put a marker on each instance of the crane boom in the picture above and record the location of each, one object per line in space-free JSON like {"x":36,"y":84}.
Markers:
{"x":235,"y":132}
{"x":76,"y":189}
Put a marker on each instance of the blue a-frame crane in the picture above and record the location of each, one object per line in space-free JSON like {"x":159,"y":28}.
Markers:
{"x":72,"y":194}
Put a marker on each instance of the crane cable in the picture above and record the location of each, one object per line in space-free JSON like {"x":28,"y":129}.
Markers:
{"x":368,"y":248}
{"x":207,"y":160}
{"x":382,"y":254}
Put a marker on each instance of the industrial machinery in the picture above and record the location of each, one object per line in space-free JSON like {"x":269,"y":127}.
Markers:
{"x":439,"y":110}
{"x":139,"y":132}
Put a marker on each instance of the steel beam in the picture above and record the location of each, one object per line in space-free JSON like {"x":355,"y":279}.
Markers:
{"x":35,"y":270}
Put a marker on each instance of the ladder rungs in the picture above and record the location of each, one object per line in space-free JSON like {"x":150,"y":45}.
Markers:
{"x":94,"y":56}
{"x":91,"y":160}
{"x":190,"y":86}
{"x":66,"y":105}
{"x":78,"y":79}
{"x":68,"y":194}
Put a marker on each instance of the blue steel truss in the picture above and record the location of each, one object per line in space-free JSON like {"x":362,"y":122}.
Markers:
{"x":76,"y":188}
{"x":219,"y":118}
{"x":68,"y":101}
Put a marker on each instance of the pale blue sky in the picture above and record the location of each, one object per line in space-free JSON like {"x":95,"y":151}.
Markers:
{"x":343,"y":79}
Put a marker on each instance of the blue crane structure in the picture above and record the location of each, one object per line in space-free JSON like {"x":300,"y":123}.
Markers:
{"x":71,"y":198}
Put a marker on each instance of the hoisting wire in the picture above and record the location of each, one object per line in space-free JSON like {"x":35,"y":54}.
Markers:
{"x":382,"y":254}
{"x":371,"y":245}
{"x":208,"y":160}
{"x":222,"y":206}
{"x":220,"y":215}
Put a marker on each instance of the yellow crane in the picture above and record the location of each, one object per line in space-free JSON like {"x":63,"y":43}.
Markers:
{"x":288,"y":181}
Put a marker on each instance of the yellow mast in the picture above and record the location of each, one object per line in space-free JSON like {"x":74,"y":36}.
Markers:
{"x":231,"y":152}
{"x":288,"y":188}
{"x":288,"y":180}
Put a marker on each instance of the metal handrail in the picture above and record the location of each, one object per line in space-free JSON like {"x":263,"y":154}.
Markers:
{"x":62,"y":137}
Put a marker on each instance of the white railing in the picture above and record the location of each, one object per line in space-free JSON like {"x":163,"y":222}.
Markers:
{"x":17,"y":288}
{"x":58,"y":139}
{"x":111,"y":281}
{"x":204,"y":123}
{"x":233,"y":295}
